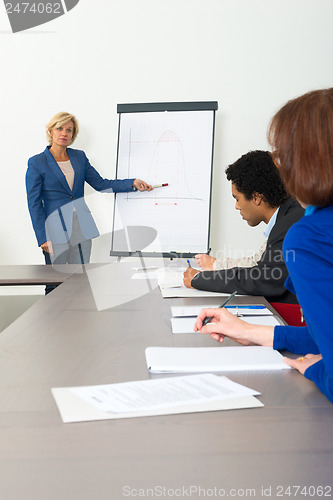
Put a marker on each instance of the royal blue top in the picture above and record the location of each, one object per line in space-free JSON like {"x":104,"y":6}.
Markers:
{"x":308,"y":253}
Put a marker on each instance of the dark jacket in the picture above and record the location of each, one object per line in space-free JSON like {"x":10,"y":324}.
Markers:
{"x":268,"y":276}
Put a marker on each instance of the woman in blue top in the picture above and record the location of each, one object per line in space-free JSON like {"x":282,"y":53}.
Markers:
{"x":55,"y":180}
{"x":301,"y":134}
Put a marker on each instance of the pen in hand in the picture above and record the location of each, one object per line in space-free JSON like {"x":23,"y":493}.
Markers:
{"x":209,"y":318}
{"x":160,"y":185}
{"x":189,"y":263}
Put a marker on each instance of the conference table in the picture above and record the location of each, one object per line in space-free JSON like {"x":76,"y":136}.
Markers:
{"x":27,"y":275}
{"x":93,"y":329}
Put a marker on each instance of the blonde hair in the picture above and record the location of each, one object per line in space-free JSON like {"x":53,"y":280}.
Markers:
{"x":59,"y":120}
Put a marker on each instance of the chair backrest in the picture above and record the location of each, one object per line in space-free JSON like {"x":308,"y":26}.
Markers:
{"x":291,"y":313}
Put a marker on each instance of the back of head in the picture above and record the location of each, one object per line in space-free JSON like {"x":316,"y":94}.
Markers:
{"x":256,"y":173}
{"x":301,"y":133}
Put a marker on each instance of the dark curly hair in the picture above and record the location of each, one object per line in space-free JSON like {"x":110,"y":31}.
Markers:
{"x":255,"y":172}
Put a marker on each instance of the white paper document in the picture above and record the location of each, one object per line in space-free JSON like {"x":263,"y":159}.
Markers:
{"x":184,"y":324}
{"x":166,"y":278}
{"x":241,"y":311}
{"x":145,"y":275}
{"x":146,"y":268}
{"x":213,"y":359}
{"x":74,"y":408}
{"x":170,"y":279}
{"x":269,"y":320}
{"x":182,"y":291}
{"x":161,"y":393}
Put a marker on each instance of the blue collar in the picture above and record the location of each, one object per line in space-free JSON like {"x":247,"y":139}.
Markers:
{"x":310,"y":209}
{"x":271,"y":223}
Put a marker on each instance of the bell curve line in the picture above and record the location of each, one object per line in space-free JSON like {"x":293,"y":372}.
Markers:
{"x":173,"y":134}
{"x":152,"y":165}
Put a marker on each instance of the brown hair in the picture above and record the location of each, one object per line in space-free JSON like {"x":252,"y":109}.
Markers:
{"x":301,"y":133}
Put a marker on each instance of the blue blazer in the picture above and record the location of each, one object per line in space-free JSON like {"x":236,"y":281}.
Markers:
{"x":51,"y":201}
{"x":308,"y":252}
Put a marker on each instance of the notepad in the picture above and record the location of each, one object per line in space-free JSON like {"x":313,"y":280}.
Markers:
{"x":213,"y":359}
{"x":184,"y":324}
{"x":242,"y":310}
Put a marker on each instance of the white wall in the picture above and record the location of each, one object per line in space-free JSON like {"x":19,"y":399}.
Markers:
{"x":249,"y":55}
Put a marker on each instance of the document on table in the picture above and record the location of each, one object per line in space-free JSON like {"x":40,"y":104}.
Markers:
{"x":182,"y":291}
{"x":213,"y":359}
{"x":178,"y":310}
{"x":184,"y":324}
{"x":170,"y":278}
{"x":145,"y":275}
{"x":161,"y":393}
{"x":166,"y":278}
{"x":187,"y":394}
{"x":145,"y":268}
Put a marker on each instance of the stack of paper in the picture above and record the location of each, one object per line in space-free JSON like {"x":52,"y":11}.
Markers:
{"x":242,"y":311}
{"x":185,"y":324}
{"x":213,"y":359}
{"x":184,"y":315}
{"x":164,"y":396}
